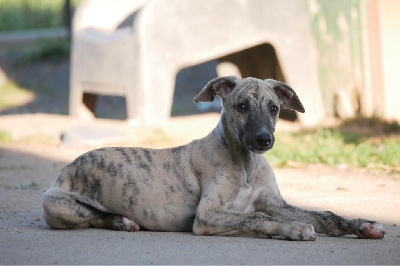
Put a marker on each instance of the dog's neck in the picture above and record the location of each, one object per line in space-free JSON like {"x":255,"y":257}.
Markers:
{"x":239,"y":153}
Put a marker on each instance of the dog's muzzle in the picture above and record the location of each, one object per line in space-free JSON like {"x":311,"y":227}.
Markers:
{"x":262,"y":142}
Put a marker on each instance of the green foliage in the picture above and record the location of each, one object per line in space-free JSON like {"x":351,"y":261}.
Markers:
{"x":32,"y":14}
{"x":50,"y":51}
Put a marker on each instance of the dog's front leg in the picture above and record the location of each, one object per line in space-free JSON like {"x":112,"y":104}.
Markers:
{"x":225,"y":222}
{"x":324,"y":222}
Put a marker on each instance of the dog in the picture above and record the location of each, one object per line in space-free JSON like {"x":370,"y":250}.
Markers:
{"x":218,"y":185}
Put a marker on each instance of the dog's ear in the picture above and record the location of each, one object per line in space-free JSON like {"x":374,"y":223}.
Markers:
{"x":287,"y":95}
{"x":221,"y":87}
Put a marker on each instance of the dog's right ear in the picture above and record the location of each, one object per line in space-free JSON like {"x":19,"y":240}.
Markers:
{"x":221,"y":87}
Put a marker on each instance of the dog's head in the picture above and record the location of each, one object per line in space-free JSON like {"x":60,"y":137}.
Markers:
{"x":251,"y":107}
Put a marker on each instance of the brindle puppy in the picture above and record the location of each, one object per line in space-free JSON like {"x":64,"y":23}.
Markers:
{"x":217,"y":185}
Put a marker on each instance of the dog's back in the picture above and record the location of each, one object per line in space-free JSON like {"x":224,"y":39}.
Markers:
{"x":156,"y":188}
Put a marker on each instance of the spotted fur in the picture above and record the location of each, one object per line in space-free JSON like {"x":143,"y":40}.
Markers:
{"x":217,"y":185}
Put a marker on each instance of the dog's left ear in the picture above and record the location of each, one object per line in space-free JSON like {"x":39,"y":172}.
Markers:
{"x":221,"y":87}
{"x":286,"y":95}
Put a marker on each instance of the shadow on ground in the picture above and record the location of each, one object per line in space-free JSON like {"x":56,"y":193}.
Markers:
{"x":24,"y":177}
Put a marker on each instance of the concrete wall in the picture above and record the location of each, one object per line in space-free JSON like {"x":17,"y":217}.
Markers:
{"x":358,"y":46}
{"x":389,"y":11}
{"x":336,"y":30}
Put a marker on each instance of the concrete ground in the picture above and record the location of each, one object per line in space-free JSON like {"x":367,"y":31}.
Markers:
{"x":28,"y":167}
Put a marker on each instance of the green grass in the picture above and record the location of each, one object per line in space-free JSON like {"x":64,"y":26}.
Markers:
{"x":32,"y":185}
{"x":5,"y":137}
{"x":12,"y":95}
{"x":48,"y":51}
{"x":32,"y":14}
{"x":372,"y":143}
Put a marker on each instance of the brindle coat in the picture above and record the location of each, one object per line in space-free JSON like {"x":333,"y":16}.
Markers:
{"x":217,"y":185}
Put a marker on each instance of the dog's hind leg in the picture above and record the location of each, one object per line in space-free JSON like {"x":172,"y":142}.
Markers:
{"x":67,"y":210}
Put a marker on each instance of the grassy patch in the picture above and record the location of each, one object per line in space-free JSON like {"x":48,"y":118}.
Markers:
{"x":357,"y":143}
{"x":156,"y":137}
{"x":48,"y":51}
{"x":11,"y":95}
{"x":29,"y":139}
{"x":5,"y":137}
{"x":32,"y":185}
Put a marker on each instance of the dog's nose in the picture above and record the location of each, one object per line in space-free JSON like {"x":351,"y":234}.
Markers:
{"x":264,"y":139}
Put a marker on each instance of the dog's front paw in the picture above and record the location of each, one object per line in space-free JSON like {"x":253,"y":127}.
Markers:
{"x":368,"y":229}
{"x":121,"y":223}
{"x":299,"y":231}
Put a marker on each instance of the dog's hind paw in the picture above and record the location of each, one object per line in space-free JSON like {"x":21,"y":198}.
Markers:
{"x":370,"y":230}
{"x":121,"y":223}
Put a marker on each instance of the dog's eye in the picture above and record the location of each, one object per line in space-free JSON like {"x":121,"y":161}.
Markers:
{"x":242,"y":107}
{"x":274,"y":109}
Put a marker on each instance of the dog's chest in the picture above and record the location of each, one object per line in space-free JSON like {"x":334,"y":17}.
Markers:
{"x":243,"y":200}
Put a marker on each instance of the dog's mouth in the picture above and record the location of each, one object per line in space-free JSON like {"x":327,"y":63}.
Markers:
{"x":256,"y":148}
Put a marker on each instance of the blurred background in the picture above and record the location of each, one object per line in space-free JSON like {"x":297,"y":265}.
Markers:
{"x":340,"y":56}
{"x":76,"y":75}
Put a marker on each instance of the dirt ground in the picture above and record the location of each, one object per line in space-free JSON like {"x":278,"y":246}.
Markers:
{"x":28,"y":167}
